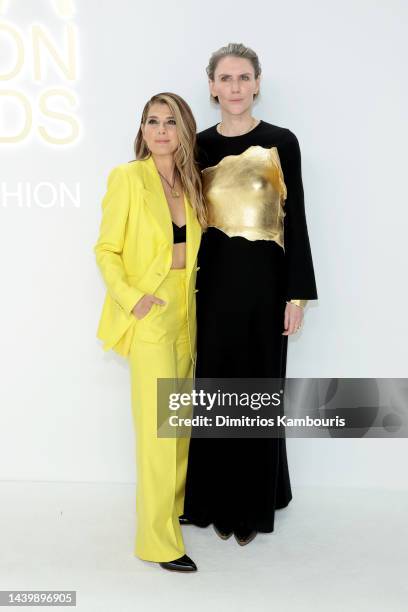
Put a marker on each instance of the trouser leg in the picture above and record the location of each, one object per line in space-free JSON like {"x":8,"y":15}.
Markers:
{"x":185,"y":370}
{"x":161,"y":462}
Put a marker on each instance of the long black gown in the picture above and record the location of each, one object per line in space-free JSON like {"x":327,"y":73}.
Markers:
{"x":243,"y":286}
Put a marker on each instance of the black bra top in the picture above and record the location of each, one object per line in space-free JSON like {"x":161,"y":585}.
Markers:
{"x":179,"y":233}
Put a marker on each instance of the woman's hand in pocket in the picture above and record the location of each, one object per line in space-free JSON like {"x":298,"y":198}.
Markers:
{"x":144,"y":305}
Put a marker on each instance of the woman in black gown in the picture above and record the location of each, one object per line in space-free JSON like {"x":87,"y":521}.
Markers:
{"x":255,"y":277}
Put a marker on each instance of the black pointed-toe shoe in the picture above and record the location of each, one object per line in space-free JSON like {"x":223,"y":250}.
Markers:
{"x":223,"y":532}
{"x":244,"y":536}
{"x":183,"y":520}
{"x":183,"y":564}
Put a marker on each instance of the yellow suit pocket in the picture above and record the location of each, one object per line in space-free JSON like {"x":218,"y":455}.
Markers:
{"x":115,"y":327}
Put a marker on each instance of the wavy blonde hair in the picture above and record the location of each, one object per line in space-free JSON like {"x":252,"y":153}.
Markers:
{"x":185,"y":154}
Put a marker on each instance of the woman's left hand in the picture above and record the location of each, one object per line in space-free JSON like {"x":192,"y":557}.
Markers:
{"x":293,"y":319}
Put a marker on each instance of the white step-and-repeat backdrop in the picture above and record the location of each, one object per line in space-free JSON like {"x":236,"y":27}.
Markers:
{"x":74,"y":77}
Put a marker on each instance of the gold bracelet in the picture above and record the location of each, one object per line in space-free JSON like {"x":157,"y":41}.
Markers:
{"x":301,"y":303}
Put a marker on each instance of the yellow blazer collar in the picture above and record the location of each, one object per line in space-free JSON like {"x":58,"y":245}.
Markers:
{"x":157,"y":203}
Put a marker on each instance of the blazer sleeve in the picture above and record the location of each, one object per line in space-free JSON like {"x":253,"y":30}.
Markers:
{"x":300,"y":283}
{"x":109,"y":246}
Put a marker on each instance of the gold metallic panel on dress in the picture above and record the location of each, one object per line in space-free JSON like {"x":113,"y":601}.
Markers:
{"x":245,"y":195}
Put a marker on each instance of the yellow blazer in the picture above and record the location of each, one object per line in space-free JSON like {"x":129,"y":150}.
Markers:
{"x":134,"y":250}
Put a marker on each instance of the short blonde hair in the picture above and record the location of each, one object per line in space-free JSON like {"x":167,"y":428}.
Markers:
{"x":234,"y":50}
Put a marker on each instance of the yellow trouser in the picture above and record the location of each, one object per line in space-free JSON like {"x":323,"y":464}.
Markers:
{"x":161,"y":462}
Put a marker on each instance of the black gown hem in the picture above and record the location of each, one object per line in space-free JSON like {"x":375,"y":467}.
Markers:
{"x":260,"y":527}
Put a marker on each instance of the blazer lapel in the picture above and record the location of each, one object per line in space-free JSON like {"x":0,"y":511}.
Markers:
{"x":156,"y":200}
{"x":158,"y":206}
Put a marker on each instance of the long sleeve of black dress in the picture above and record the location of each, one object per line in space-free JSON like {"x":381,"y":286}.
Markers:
{"x":300,"y":277}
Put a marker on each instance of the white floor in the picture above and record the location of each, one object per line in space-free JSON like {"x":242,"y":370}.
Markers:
{"x":332,"y":550}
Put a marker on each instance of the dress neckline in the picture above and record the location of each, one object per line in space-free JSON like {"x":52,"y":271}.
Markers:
{"x":238,"y":135}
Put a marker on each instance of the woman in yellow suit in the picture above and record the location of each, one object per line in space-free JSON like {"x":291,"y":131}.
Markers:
{"x":147,"y":248}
